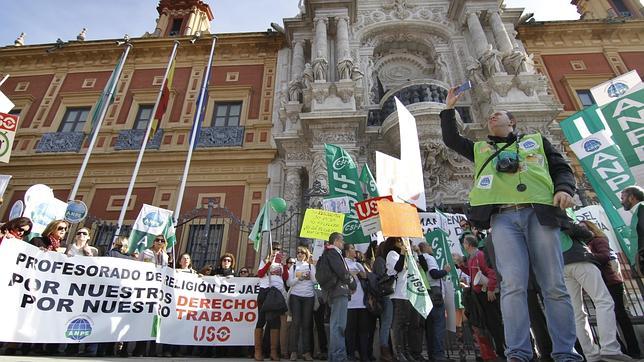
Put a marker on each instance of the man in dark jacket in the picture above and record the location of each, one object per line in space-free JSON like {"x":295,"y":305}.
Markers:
{"x":521,"y":187}
{"x":338,"y":294}
{"x":631,"y":199}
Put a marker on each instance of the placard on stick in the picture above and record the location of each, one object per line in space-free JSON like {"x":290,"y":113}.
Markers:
{"x":319,"y":224}
{"x":398,"y":219}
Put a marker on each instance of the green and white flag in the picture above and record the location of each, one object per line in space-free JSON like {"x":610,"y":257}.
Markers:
{"x":443,"y":254}
{"x":604,"y":166}
{"x":344,"y":181}
{"x":103,"y":100}
{"x":366,"y":177}
{"x":417,"y":294}
{"x":625,"y":117}
{"x":262,"y":223}
{"x":152,"y":221}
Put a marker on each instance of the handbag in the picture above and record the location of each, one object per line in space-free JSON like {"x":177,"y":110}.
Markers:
{"x":274,"y":302}
{"x":386,"y":284}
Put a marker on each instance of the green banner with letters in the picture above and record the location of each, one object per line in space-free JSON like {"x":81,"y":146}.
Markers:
{"x":625,"y":117}
{"x":344,"y":181}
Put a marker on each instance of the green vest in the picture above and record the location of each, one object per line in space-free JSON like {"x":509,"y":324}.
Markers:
{"x":493,"y":187}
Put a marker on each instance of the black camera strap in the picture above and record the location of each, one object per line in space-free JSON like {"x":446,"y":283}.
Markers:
{"x":498,"y":151}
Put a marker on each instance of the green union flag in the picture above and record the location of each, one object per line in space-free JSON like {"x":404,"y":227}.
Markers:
{"x":417,"y":293}
{"x":625,"y":117}
{"x":604,"y":166}
{"x":442,"y":253}
{"x":366,"y":177}
{"x":344,"y":181}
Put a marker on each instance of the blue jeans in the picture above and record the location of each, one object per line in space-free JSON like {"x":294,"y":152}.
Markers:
{"x":386,"y":319}
{"x":520,"y":242}
{"x":337,"y":325}
{"x":435,"y":327}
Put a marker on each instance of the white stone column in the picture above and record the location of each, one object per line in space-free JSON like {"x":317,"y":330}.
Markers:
{"x":297,"y":65}
{"x":342,"y":37}
{"x":500,"y":33}
{"x":321,"y":48}
{"x":478,"y":35}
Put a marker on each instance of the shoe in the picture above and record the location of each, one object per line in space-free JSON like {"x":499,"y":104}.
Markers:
{"x":400,"y":357}
{"x":417,"y":357}
{"x":615,"y":357}
{"x":307,"y":357}
{"x":293,"y":356}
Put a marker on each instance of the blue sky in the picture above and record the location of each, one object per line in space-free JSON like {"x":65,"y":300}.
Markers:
{"x":44,"y":21}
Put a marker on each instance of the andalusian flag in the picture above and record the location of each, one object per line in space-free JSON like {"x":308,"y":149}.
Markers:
{"x":263,"y":223}
{"x":417,"y":294}
{"x":163,"y":102}
{"x":152,"y":221}
{"x":105,"y":99}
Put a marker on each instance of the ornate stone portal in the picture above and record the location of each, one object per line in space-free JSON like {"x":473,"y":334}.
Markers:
{"x":349,"y":58}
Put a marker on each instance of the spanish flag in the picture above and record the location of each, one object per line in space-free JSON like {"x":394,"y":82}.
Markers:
{"x":163,"y":102}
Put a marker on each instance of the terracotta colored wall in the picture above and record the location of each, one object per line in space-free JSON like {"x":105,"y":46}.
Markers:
{"x":73,"y":83}
{"x":142,"y":80}
{"x":634,"y":61}
{"x":251,"y":75}
{"x":38,"y":85}
{"x":144,"y":195}
{"x":559,"y":65}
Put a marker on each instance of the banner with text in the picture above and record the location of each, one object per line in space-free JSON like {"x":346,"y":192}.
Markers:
{"x":57,"y":299}
{"x":447,"y":222}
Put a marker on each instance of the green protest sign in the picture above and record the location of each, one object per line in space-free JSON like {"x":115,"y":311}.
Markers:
{"x":625,"y":117}
{"x":344,"y":181}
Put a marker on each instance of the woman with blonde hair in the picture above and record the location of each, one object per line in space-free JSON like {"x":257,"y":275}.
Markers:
{"x":301,"y":301}
{"x":52,"y":236}
{"x":119,"y":249}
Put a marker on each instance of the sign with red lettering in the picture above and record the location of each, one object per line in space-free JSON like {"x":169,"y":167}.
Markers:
{"x":8,"y":126}
{"x":367,"y":212}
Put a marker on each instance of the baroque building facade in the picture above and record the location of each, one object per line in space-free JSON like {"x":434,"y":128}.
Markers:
{"x":348,"y":59}
{"x":55,"y":88}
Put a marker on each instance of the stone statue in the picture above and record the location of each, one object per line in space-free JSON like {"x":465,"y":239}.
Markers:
{"x":440,"y":68}
{"x":488,"y":61}
{"x":320,"y":66}
{"x":307,"y":76}
{"x":294,"y":90}
{"x":356,"y":73}
{"x":514,"y":61}
{"x":81,"y":35}
{"x":475,"y":71}
{"x":302,"y":8}
{"x":344,"y":68}
{"x":20,"y":40}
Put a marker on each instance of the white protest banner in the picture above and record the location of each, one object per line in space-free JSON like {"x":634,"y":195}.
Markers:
{"x":209,"y":310}
{"x":49,"y":297}
{"x":4,"y":182}
{"x":596,"y":214}
{"x":8,"y":127}
{"x":430,"y":221}
{"x":6,"y":104}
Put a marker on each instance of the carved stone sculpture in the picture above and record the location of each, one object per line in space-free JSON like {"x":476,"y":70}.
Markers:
{"x":307,"y":76}
{"x":344,"y":68}
{"x":320,"y":66}
{"x":81,"y":36}
{"x":488,"y":61}
{"x":294,"y":90}
{"x":440,"y":68}
{"x":513,"y":62}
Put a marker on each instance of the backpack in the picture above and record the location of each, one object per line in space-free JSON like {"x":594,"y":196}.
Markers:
{"x":385,"y":283}
{"x":325,"y":276}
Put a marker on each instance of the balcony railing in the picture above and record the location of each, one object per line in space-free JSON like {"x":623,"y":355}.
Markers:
{"x":56,"y":142}
{"x":132,"y":139}
{"x":221,"y":137}
{"x":427,"y":90}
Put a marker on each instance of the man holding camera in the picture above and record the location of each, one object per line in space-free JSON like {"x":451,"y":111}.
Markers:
{"x":521,"y":187}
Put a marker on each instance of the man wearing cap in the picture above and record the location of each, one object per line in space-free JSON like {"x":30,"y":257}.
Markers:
{"x":521,"y":187}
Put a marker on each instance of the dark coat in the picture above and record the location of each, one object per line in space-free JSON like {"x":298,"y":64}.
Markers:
{"x":345,"y":283}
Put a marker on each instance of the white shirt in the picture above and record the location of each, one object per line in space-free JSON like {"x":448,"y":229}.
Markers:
{"x":400,"y":292}
{"x":432,"y":264}
{"x":357,"y":298}
{"x":75,"y":250}
{"x":302,"y":288}
{"x":149,"y":256}
{"x":273,"y":278}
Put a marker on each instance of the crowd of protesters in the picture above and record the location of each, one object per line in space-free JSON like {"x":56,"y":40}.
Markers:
{"x":336,"y":306}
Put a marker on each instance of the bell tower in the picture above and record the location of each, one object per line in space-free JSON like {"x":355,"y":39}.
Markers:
{"x":602,"y":9}
{"x":182,"y":18}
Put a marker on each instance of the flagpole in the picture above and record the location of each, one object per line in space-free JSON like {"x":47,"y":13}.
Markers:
{"x":148,"y":129}
{"x":72,"y":195}
{"x":194,"y":136}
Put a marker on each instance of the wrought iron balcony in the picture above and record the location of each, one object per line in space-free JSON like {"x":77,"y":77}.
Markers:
{"x":55,"y":142}
{"x":132,"y":139}
{"x":221,"y":137}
